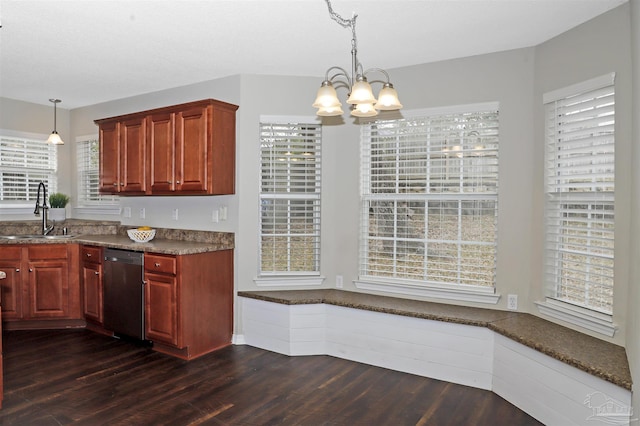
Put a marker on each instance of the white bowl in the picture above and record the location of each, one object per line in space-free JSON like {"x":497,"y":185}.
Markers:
{"x":140,"y":236}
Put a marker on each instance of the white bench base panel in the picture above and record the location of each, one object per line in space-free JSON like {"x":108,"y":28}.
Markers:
{"x":549,"y":390}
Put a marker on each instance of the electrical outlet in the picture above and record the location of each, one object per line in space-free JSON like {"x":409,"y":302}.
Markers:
{"x":223,"y":213}
{"x":512,"y":302}
{"x":215,"y":216}
{"x":339,"y":283}
{"x":127,"y":212}
{"x":142,"y":213}
{"x":174,"y":214}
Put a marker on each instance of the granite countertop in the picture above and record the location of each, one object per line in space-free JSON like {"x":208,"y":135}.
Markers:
{"x":165,"y":246}
{"x":114,"y":235}
{"x":157,"y":245}
{"x":594,"y":356}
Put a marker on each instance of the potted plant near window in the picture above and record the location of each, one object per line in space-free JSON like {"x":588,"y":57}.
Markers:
{"x":58,"y":201}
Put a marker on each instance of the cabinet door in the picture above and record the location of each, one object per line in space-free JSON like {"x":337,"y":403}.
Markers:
{"x":48,"y":289}
{"x":192,"y":150}
{"x":11,"y":289}
{"x":109,"y":158}
{"x":92,"y":291}
{"x":161,"y":152}
{"x":133,"y":142}
{"x":161,"y":309}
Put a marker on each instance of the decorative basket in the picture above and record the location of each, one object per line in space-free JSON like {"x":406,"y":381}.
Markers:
{"x":141,"y":236}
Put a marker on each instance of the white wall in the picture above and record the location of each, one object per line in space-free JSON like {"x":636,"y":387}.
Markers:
{"x":633,"y":300}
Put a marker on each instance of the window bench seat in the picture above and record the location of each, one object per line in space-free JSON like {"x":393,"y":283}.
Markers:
{"x":557,"y":375}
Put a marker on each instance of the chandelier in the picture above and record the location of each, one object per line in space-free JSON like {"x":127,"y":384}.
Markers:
{"x":363,"y":102}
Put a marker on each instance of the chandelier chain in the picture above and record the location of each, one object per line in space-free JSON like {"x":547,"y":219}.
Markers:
{"x":346,"y":23}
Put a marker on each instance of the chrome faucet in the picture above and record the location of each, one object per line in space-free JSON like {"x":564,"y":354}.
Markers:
{"x":45,"y":229}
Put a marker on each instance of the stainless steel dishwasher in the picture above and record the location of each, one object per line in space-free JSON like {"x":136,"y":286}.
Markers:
{"x":123,"y":308}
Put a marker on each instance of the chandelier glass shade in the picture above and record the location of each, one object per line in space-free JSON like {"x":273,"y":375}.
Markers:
{"x":54,"y":137}
{"x":361,"y":98}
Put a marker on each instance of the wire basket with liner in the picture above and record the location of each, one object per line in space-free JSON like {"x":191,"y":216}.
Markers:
{"x":141,"y":235}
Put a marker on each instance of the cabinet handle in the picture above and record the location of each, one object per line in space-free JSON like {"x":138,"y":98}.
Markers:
{"x":157,"y":265}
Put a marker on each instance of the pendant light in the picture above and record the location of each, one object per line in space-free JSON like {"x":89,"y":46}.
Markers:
{"x":361,"y":98}
{"x":54,"y":137}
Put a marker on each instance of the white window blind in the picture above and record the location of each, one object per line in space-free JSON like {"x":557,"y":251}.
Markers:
{"x":580,"y":148}
{"x":24,"y":163}
{"x":429,"y":199}
{"x":88,"y":157}
{"x":290,"y":198}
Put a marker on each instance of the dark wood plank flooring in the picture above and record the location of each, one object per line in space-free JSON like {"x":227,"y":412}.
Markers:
{"x":65,"y":377}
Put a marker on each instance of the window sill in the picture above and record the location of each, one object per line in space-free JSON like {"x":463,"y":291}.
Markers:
{"x":289,"y":281}
{"x":581,"y":317}
{"x":466,"y":294}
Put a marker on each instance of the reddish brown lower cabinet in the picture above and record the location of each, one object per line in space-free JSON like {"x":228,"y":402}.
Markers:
{"x":91,"y":281}
{"x":189,"y":302}
{"x":42,"y":284}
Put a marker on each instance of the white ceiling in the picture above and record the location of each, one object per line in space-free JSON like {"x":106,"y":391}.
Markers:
{"x":91,"y":51}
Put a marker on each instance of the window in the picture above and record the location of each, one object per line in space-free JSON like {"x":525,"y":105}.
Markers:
{"x":429,"y":200}
{"x":580,"y":194}
{"x":290,"y":198}
{"x":24,"y":163}
{"x":88,"y":158}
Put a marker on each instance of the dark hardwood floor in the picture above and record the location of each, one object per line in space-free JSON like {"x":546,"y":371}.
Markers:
{"x":61,"y":377}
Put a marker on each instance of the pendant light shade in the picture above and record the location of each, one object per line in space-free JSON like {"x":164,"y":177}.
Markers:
{"x":327,"y":101}
{"x":54,"y":137}
{"x":388,"y":99}
{"x":361,"y":93}
{"x":364,"y":110}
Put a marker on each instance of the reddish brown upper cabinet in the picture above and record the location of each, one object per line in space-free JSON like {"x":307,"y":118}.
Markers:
{"x":190,"y":150}
{"x":123,"y":148}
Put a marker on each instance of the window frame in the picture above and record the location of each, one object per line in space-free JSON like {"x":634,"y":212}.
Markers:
{"x":438,"y":290}
{"x":19,"y":207}
{"x":289,"y":278}
{"x":583,"y":315}
{"x":105,"y":204}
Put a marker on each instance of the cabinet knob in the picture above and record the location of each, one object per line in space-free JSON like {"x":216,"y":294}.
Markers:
{"x":121,"y":183}
{"x":17,"y":269}
{"x":169,"y":182}
{"x":30,"y":270}
{"x":178,"y":182}
{"x":97,"y":273}
{"x":88,"y":254}
{"x":115,"y":184}
{"x":157,"y":265}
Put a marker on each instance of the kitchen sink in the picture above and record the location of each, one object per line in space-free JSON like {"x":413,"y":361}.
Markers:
{"x":33,"y":237}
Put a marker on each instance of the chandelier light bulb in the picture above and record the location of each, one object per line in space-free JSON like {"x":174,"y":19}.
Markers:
{"x":364,"y":110}
{"x":388,"y":99}
{"x":361,"y":93}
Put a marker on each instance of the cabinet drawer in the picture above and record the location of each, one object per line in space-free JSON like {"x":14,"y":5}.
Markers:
{"x":91,"y":254}
{"x":47,"y":251}
{"x":10,"y":252}
{"x":161,"y":264}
